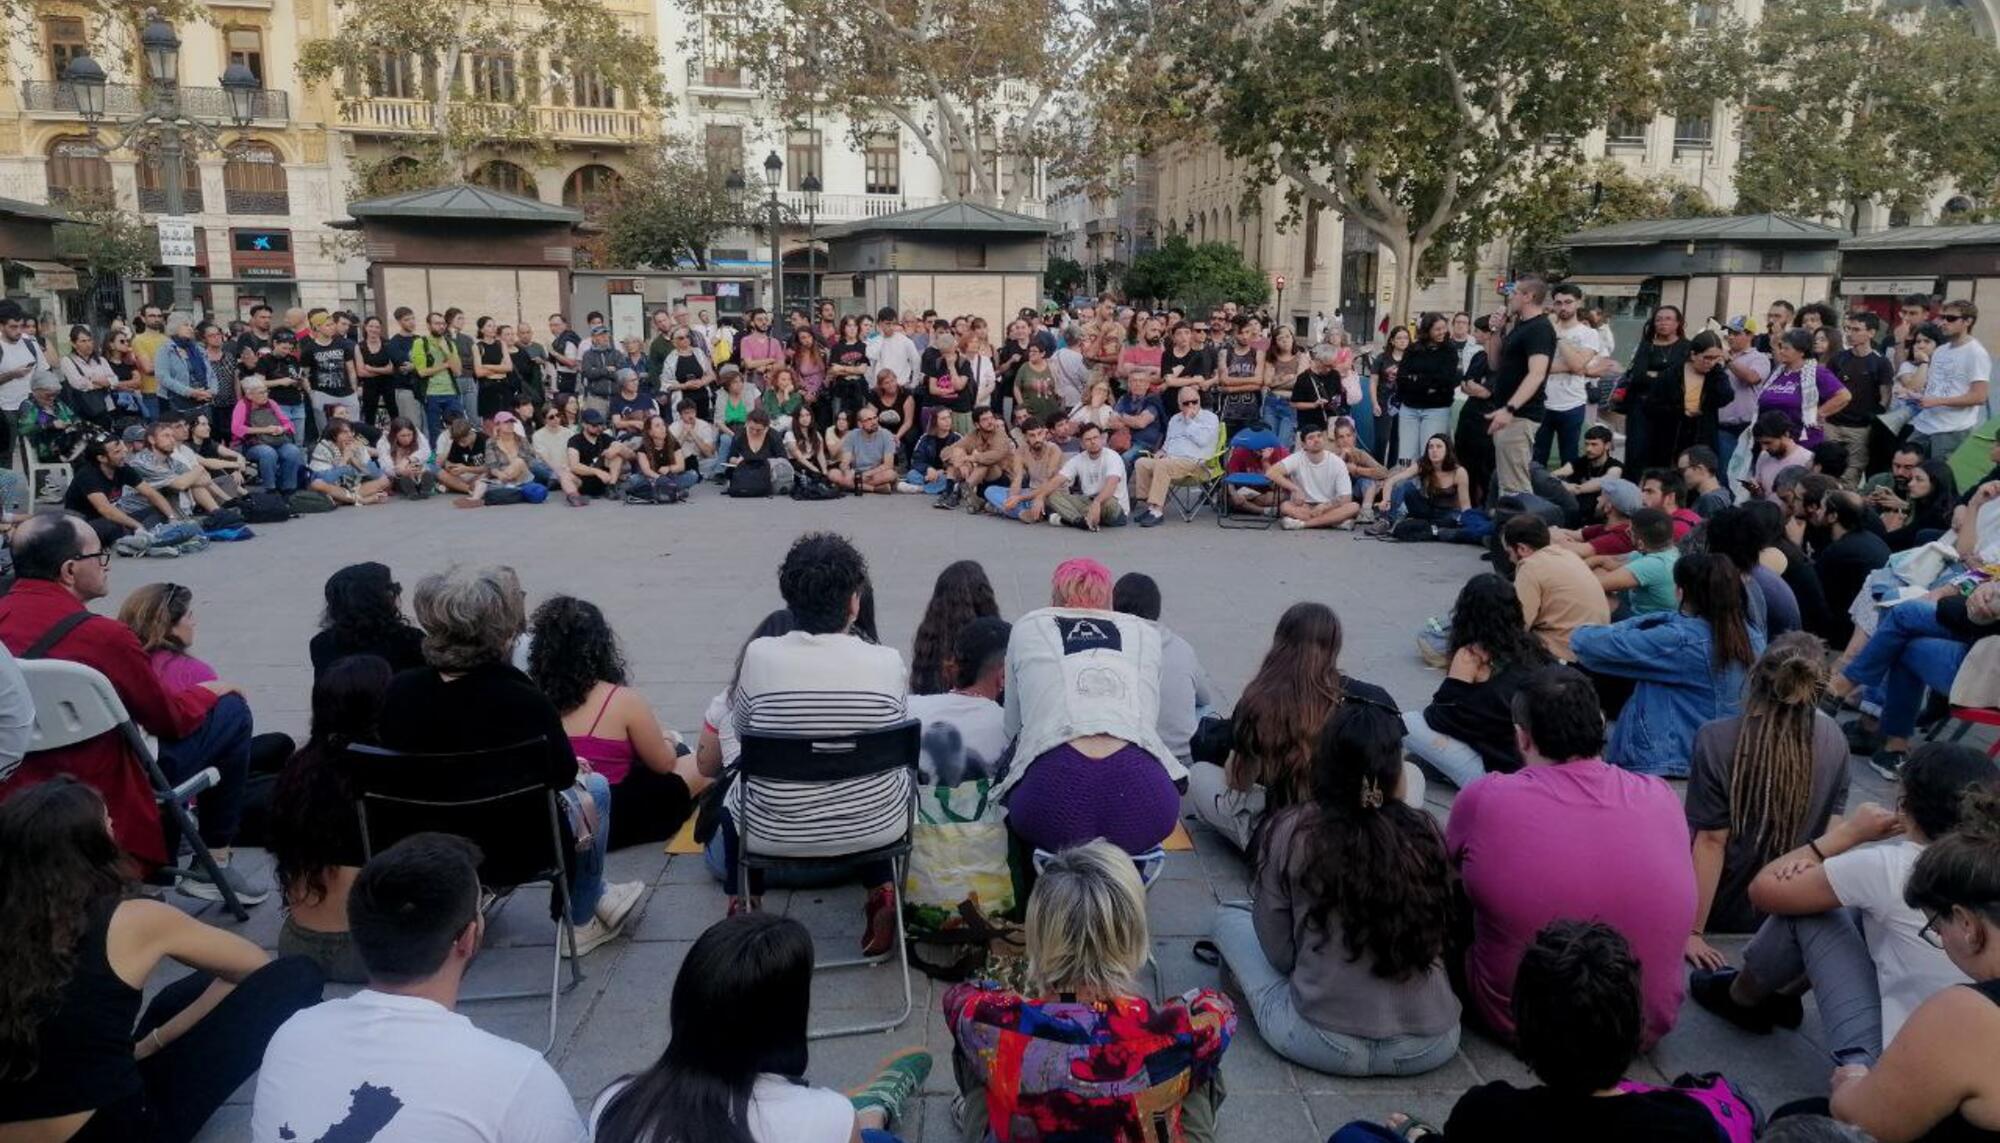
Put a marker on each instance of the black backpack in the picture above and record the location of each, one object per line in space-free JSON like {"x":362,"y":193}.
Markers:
{"x":263,"y":507}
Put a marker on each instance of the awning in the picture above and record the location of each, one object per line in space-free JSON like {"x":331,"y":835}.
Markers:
{"x":1610,"y":285}
{"x":1855,"y":287}
{"x":49,"y":275}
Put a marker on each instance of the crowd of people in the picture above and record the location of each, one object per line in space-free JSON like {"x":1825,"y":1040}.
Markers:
{"x":1630,"y":631}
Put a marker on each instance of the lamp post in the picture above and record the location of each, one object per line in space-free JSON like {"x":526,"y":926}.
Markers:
{"x":773,"y":165}
{"x":812,"y":186}
{"x":161,"y":123}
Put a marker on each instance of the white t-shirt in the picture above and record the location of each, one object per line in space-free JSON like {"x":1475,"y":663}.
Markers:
{"x":1091,"y":475}
{"x":13,"y":355}
{"x":1320,"y":483}
{"x":1953,"y":370}
{"x":963,"y":737}
{"x":1907,"y":969}
{"x":401,"y":1069}
{"x":1569,"y":390}
{"x":780,"y":1112}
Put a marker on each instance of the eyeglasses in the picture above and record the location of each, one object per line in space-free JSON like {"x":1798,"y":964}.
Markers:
{"x":1930,"y":932}
{"x":1951,"y":317}
{"x":102,"y":556}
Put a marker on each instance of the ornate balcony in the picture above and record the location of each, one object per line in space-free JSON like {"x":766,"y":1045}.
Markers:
{"x":615,"y":125}
{"x":836,"y":208}
{"x":41,"y":99}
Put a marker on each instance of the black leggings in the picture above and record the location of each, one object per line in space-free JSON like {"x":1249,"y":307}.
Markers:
{"x":648,"y":806}
{"x":186,"y":1081}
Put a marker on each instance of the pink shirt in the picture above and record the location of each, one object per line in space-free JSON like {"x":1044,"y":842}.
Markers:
{"x":177,"y":670}
{"x":1580,"y":841}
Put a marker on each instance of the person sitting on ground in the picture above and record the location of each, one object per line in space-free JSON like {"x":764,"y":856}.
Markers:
{"x":594,"y":461}
{"x":404,"y":457}
{"x":1930,"y":504}
{"x":1579,"y":1003}
{"x":867,"y":456}
{"x":1318,"y":493}
{"x":1761,"y":784}
{"x":1643,"y":582}
{"x":1770,"y":605}
{"x":461,"y":456}
{"x":757,"y":466}
{"x":1680,"y":668}
{"x":1837,"y":906}
{"x":110,"y":496}
{"x":1583,"y":477}
{"x":1032,"y":474}
{"x":395,"y":1055}
{"x":1083,"y":706}
{"x":1557,"y":592}
{"x":505,"y":470}
{"x":1084,"y":1053}
{"x":62,"y":565}
{"x":1917,"y":644}
{"x":1592,"y":832}
{"x":1186,"y":692}
{"x":979,"y":460}
{"x":1467,"y":731}
{"x":574,"y":657}
{"x":1363,"y":469}
{"x":153,"y":452}
{"x":736,"y":1053}
{"x":929,"y":472}
{"x":343,"y":468}
{"x":267,"y":438}
{"x":629,"y":407}
{"x":1185,"y":452}
{"x":662,"y":468}
{"x":1701,"y":472}
{"x":469,"y":697}
{"x":85,"y":1055}
{"x":1101,"y":498}
{"x":364,"y":616}
{"x":1617,"y":501}
{"x":224,"y":463}
{"x":961,"y":594}
{"x":806,"y":447}
{"x":1781,"y":553}
{"x":1276,"y":725}
{"x":315,"y":837}
{"x":1935,"y":1080}
{"x":1433,"y":487}
{"x":1775,"y":434}
{"x":964,"y":729}
{"x":821,"y":678}
{"x":1843,"y":564}
{"x":1340,"y":955}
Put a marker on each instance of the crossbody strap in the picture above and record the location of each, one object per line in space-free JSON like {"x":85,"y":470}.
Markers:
{"x":55,"y":634}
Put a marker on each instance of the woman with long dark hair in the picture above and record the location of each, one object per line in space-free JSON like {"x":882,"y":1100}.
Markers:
{"x":735,"y":1058}
{"x":847,"y":368}
{"x":962,"y":594}
{"x":1468,"y":729}
{"x":1688,"y":666}
{"x":364,"y":616}
{"x":1341,"y":950}
{"x":1432,"y":487}
{"x":1683,"y":403}
{"x":1380,"y":401}
{"x":1424,"y":385}
{"x":574,"y":658}
{"x":1932,"y":499}
{"x":1276,"y":724}
{"x":79,"y":1059}
{"x":315,"y":837}
{"x":1656,"y":364}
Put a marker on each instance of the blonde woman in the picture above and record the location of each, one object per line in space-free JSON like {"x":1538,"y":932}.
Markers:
{"x":1084,"y":1014}
{"x":1096,"y":408}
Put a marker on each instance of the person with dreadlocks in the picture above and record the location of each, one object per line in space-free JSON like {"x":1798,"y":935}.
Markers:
{"x":1762,"y":783}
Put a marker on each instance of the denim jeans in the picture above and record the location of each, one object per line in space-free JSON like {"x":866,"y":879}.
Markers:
{"x":222,"y":741}
{"x":996,"y":495}
{"x":1411,"y":501}
{"x":869,"y":873}
{"x":1942,"y":445}
{"x":586,"y":884}
{"x":1441,"y":754}
{"x":1726,"y":438}
{"x":1279,"y":417}
{"x":1909,"y":651}
{"x":1292,"y":1036}
{"x":931,"y":487}
{"x":295,"y":414}
{"x":342,"y":472}
{"x":1830,"y":952}
{"x":541,"y":474}
{"x":277,"y":466}
{"x":438,"y":409}
{"x":1415,"y":426}
{"x":1565,"y":428}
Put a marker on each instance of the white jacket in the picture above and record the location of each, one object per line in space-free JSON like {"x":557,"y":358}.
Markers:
{"x":1072,"y":673}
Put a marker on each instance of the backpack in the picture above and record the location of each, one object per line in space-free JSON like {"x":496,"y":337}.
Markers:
{"x":1738,"y":1119}
{"x":263,"y":507}
{"x":750,"y":480}
{"x":501,"y":494}
{"x":222,"y":520}
{"x":812,"y":486}
{"x":1410,"y":530}
{"x":306,"y":502}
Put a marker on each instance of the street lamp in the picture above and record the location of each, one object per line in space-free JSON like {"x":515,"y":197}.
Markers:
{"x":772,"y":166}
{"x":161,"y":124}
{"x":812,"y":186}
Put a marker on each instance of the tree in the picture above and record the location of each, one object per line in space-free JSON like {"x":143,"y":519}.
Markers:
{"x":670,"y":209}
{"x":109,"y":242}
{"x":582,"y":39}
{"x":985,"y":87}
{"x":1849,"y":104}
{"x":1195,"y":277}
{"x":1064,"y":277}
{"x":1566,"y":198}
{"x":1414,"y":119}
{"x":112,"y":26}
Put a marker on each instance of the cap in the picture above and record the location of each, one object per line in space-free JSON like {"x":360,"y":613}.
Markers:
{"x":1740,"y":324}
{"x":133,"y":434}
{"x":593,"y":416}
{"x":728,"y":369}
{"x":284,"y":336}
{"x":504,"y":417}
{"x":597,"y":329}
{"x":1621,"y":494}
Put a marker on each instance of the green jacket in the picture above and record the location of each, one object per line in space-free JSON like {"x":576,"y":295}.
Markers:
{"x":426,"y":354}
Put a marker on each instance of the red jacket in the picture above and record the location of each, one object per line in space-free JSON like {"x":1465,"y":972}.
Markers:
{"x":105,"y":762}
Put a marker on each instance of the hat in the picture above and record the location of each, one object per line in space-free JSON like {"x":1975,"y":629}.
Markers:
{"x":284,"y":336}
{"x":505,"y":418}
{"x":597,"y":329}
{"x":1620,"y":494}
{"x":593,"y":416}
{"x":1740,"y":324}
{"x":728,"y":369}
{"x":133,"y":434}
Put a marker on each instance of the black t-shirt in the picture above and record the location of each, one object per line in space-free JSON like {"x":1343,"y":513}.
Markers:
{"x":1193,"y":364}
{"x":471,"y":454}
{"x":89,"y":478}
{"x":280,"y":373}
{"x":399,"y":348}
{"x":1315,"y":386}
{"x":850,"y":353}
{"x":1865,"y":378}
{"x":250,"y":339}
{"x":402,"y":646}
{"x":376,"y":359}
{"x":623,"y":406}
{"x":1583,"y":470}
{"x":1503,"y":1113}
{"x":327,"y":364}
{"x":1843,"y":567}
{"x":589,"y":452}
{"x":959,"y":402}
{"x":1533,"y":337}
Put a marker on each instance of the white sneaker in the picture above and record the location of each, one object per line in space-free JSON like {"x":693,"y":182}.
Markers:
{"x":1291,"y":523}
{"x":907,"y":488}
{"x":1055,"y":521}
{"x":615,"y":904}
{"x":590,"y":935}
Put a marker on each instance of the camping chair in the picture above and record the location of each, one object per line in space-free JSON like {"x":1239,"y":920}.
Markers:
{"x":1190,"y":494}
{"x":497,"y":799}
{"x":798,"y":760}
{"x":75,"y":703}
{"x":41,"y":491}
{"x":1256,"y":440}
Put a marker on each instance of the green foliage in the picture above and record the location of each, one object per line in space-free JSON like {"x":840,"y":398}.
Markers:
{"x":1195,"y":277}
{"x":1567,"y":198}
{"x":670,"y":209}
{"x":1064,"y":277}
{"x":109,"y":242}
{"x":112,"y":25}
{"x":417,"y":166}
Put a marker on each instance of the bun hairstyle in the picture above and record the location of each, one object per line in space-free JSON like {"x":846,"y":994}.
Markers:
{"x":1771,"y":773}
{"x":1792,"y":671}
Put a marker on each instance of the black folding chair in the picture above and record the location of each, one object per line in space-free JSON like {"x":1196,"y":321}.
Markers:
{"x":819,"y":759}
{"x":498,"y":800}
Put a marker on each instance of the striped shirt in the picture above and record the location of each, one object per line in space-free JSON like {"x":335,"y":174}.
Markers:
{"x":800,"y":683}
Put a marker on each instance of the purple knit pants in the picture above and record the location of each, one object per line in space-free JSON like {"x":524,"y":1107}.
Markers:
{"x":1067,"y":798}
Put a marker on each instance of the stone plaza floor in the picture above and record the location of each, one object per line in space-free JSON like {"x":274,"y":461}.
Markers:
{"x":683,"y":585}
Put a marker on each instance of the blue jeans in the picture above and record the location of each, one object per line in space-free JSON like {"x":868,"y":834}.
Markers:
{"x":295,"y":414}
{"x":222,"y":741}
{"x":1441,"y":754}
{"x":340,"y":472}
{"x":586,"y":884}
{"x":1415,"y":426}
{"x":1409,"y":500}
{"x":1279,"y":416}
{"x":438,"y":410}
{"x":724,"y":444}
{"x":996,"y":495}
{"x":933,"y":487}
{"x":1909,"y":651}
{"x":277,"y":466}
{"x":1565,"y":428}
{"x":1726,"y":437}
{"x":541,"y":474}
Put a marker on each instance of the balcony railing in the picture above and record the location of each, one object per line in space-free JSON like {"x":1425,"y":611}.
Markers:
{"x":153,"y":200}
{"x":833,"y":208}
{"x":418,"y":116}
{"x":256,"y":201}
{"x":717,"y":77}
{"x":40,"y":97}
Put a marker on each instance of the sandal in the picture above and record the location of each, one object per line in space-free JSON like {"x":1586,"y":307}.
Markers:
{"x":1413,"y":1129}
{"x":1206,"y":952}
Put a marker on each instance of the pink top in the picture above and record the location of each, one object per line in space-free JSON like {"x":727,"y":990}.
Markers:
{"x":1581,"y":840}
{"x":178,"y":670}
{"x":238,"y":420}
{"x":611,"y":757}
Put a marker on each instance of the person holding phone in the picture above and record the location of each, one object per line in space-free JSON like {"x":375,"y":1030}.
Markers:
{"x":1778,"y":449}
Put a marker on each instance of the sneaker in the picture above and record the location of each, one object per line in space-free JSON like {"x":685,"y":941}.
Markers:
{"x":943,"y":501}
{"x":1151,"y":519}
{"x":615,"y":904}
{"x":908,"y":489}
{"x":1055,"y":521}
{"x":590,"y":936}
{"x":1860,"y":739}
{"x":617,"y":493}
{"x":1367,"y":516}
{"x":1381,"y":527}
{"x":194,"y":882}
{"x":900,"y":1077}
{"x":1291,"y":524}
{"x":576,"y":501}
{"x":1888,"y":764}
{"x":1710,"y":989}
{"x":878,"y":934}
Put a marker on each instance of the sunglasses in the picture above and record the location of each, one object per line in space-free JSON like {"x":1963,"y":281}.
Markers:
{"x":1951,"y":317}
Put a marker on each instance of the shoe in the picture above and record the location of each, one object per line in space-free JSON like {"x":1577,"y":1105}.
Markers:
{"x":1888,"y":764}
{"x":908,"y":489}
{"x":1292,"y":524}
{"x":1152,"y":520}
{"x":1710,"y":989}
{"x":615,"y":904}
{"x":943,"y":501}
{"x":878,"y":934}
{"x":194,"y":882}
{"x":1860,"y":739}
{"x":1055,"y":521}
{"x":590,"y":936}
{"x":1381,"y":527}
{"x":1367,"y":516}
{"x":614,"y":493}
{"x":576,"y":501}
{"x":900,"y":1077}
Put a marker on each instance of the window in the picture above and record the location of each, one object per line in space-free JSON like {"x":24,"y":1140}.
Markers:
{"x":721,"y":21}
{"x":253,"y":181}
{"x":589,"y":188}
{"x":396,"y":76}
{"x":801,"y":157}
{"x":1625,"y":131}
{"x":66,"y":41}
{"x":588,"y":89}
{"x":883,"y":154}
{"x":1704,"y":16}
{"x":153,"y":186}
{"x":246,"y":47}
{"x":78,"y":174}
{"x":722,"y":144}
{"x":1694,"y":133}
{"x":494,"y":78}
{"x":503,"y":176}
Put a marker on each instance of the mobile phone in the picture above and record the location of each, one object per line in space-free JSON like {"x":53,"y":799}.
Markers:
{"x":1858,"y":1057}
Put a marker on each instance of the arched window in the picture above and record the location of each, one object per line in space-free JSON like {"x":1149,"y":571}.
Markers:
{"x":1957,"y":204}
{"x":78,"y":174}
{"x":253,"y":180}
{"x":589,"y":188}
{"x":501,"y":175}
{"x":153,"y":187}
{"x":1228,"y":231}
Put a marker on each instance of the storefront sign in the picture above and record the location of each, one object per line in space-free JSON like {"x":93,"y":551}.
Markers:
{"x":1855,"y":287}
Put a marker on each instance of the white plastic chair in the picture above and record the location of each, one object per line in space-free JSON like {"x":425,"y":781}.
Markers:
{"x":35,"y":468}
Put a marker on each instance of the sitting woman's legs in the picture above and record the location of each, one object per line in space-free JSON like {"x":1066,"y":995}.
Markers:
{"x":1826,"y":952}
{"x":1067,"y":798}
{"x":1441,"y":754}
{"x":586,"y":881}
{"x":1232,"y":813}
{"x":651,"y":807}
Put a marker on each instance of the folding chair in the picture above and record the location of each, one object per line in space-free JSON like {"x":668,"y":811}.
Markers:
{"x":496,"y":799}
{"x":1255,"y":440}
{"x":36,"y":468}
{"x":75,"y":703}
{"x":1190,"y":494}
{"x":1963,"y":719}
{"x":797,"y":760}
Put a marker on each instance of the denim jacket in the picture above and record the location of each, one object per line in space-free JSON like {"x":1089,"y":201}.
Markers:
{"x":1672,"y":657}
{"x":1072,"y":673}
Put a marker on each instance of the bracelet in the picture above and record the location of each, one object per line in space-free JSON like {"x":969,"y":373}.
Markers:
{"x":1813,"y":845}
{"x":154,"y":1037}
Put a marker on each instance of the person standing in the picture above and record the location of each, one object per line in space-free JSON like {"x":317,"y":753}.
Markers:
{"x":1656,"y":363}
{"x":1516,"y":384}
{"x":1867,"y":376}
{"x":1955,"y":394}
{"x":1749,"y":367}
{"x":1580,"y":356}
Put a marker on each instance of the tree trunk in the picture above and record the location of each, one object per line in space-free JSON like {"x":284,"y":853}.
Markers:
{"x":1407,"y":251}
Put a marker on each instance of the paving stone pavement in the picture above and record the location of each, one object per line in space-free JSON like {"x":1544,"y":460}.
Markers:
{"x":685,"y":584}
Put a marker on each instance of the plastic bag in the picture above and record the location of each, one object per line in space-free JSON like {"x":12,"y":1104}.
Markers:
{"x":958,"y":853}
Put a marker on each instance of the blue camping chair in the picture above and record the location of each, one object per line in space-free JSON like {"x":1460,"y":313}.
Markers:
{"x":1255,"y":439}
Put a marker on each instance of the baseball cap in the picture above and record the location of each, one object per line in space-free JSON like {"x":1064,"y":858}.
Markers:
{"x":597,"y":329}
{"x":133,"y":434}
{"x":1621,"y":494}
{"x":284,"y":336}
{"x":1740,"y":324}
{"x":593,"y":416}
{"x":505,"y":418}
